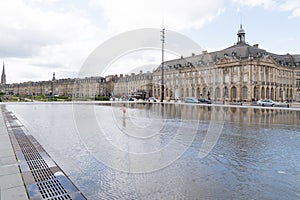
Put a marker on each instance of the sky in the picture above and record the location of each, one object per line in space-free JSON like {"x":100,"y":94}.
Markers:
{"x":39,"y":37}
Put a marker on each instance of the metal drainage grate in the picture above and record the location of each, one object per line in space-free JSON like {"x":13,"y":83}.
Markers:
{"x":49,"y":181}
{"x":48,"y":185}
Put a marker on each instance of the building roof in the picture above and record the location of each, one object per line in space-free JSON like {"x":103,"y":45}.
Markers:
{"x":241,"y":50}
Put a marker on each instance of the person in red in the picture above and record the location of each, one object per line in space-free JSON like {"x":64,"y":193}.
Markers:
{"x":124,"y":109}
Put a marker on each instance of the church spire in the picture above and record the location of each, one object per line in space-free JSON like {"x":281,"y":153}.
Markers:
{"x":3,"y":76}
{"x":241,"y":35}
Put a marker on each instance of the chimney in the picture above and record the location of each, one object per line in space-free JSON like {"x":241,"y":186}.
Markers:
{"x":256,"y":45}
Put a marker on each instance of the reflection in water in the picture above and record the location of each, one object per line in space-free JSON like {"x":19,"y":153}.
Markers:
{"x":255,"y":156}
{"x":124,"y":121}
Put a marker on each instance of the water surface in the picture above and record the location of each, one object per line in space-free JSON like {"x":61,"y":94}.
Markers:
{"x":172,"y":151}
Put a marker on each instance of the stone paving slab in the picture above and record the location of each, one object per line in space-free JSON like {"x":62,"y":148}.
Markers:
{"x":11,"y":183}
{"x":7,"y":160}
{"x":9,"y":169}
{"x":16,"y":193}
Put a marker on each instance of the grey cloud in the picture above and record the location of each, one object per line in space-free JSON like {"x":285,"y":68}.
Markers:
{"x":24,"y":42}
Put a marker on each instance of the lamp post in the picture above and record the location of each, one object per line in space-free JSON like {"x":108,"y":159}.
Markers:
{"x":162,"y":63}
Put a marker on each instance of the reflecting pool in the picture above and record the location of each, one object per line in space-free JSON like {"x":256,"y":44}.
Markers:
{"x":170,"y":151}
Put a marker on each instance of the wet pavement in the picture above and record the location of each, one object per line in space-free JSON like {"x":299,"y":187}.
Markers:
{"x":171,"y":151}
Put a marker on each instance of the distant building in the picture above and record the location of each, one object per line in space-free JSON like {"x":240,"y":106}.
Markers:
{"x":139,"y":85}
{"x":89,"y":87}
{"x":85,"y":87}
{"x":238,"y":73}
{"x":110,"y":81}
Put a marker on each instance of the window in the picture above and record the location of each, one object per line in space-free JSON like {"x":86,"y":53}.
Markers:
{"x":218,"y":92}
{"x":297,"y":73}
{"x":234,"y":69}
{"x":235,"y":78}
{"x":245,"y":79}
{"x":219,"y":79}
{"x":245,"y":91}
{"x":226,"y":78}
{"x":245,"y":68}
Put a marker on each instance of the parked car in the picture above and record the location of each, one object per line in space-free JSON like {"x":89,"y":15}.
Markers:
{"x":203,"y":100}
{"x":266,"y":102}
{"x":131,"y":99}
{"x":191,"y":100}
{"x":282,"y":104}
{"x":152,"y":99}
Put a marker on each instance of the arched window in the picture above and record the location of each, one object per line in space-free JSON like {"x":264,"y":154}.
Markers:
{"x":218,"y":93}
{"x":225,"y":92}
{"x":255,"y":96}
{"x":233,"y":93}
{"x":245,"y":92}
{"x":263,"y":93}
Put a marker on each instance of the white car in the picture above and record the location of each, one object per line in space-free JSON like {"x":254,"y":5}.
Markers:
{"x":266,"y":102}
{"x":191,"y":100}
{"x":152,"y":99}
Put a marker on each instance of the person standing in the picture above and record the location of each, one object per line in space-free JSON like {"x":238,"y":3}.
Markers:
{"x":124,"y":109}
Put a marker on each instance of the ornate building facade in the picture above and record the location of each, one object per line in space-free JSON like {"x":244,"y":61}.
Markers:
{"x":238,"y":73}
{"x":134,"y":84}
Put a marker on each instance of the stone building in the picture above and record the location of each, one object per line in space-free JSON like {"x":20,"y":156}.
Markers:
{"x":89,"y":87}
{"x":110,"y":81}
{"x":135,"y":84}
{"x":85,"y":87}
{"x":238,"y":73}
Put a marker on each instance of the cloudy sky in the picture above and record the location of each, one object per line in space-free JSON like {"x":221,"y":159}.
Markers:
{"x":39,"y":37}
